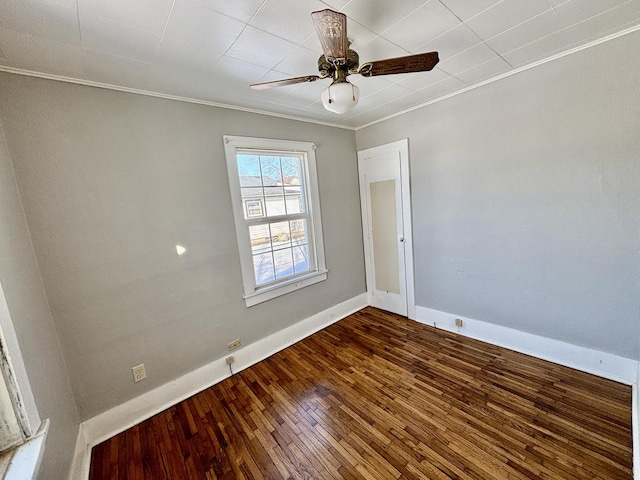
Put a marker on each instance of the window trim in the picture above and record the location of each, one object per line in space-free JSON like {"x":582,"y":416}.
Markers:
{"x":254,"y":295}
{"x":21,"y":461}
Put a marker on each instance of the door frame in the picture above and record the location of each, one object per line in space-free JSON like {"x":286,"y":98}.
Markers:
{"x":401,"y":147}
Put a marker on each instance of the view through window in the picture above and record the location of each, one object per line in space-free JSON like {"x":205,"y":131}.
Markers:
{"x":272,"y":189}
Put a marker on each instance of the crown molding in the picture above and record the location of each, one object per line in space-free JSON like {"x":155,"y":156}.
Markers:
{"x":468,"y":88}
{"x":165,"y":96}
{"x":148,"y":93}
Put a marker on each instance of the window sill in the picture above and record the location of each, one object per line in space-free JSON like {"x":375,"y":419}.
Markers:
{"x":23,"y":462}
{"x":287,"y":287}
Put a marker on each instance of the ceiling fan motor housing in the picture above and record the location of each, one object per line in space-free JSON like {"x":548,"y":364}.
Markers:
{"x":329,"y":67}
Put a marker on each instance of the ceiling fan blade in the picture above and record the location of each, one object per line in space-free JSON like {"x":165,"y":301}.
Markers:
{"x":331,"y":28}
{"x":421,"y":62}
{"x":286,"y":81}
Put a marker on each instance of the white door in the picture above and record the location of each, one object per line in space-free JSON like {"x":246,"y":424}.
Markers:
{"x":386,"y":213}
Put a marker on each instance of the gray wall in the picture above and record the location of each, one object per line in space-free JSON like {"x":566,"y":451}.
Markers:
{"x":111,"y":182}
{"x":526,"y":199}
{"x":34,"y":327}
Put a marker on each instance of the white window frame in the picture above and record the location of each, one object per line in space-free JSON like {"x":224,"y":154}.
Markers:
{"x":254,"y":295}
{"x":22,"y":449}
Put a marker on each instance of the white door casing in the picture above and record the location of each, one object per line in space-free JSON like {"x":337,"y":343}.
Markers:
{"x":386,"y":218}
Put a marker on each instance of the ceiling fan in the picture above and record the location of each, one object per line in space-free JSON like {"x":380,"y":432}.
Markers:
{"x":339,"y":61}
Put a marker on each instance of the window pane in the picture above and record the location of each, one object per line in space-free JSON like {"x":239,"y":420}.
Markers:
{"x":301,"y":258}
{"x":251,"y":188}
{"x":263,"y":267}
{"x":249,"y":170}
{"x":253,"y":208}
{"x":271,"y":170}
{"x":292,"y":171}
{"x":252,"y":192}
{"x":260,"y":238}
{"x":275,"y":201}
{"x":298,"y":232}
{"x":280,"y":234}
{"x":283,"y":262}
{"x":293,"y":204}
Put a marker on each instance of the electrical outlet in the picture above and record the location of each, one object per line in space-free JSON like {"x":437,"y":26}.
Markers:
{"x":229,"y":360}
{"x":139,"y":373}
{"x":458,"y":322}
{"x":235,"y":344}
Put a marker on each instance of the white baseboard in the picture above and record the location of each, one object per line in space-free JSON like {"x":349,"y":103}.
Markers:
{"x":635,"y":427}
{"x":107,"y":424}
{"x":113,"y":421}
{"x":606,"y":365}
{"x":80,"y":462}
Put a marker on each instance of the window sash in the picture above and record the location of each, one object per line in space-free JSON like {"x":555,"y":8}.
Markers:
{"x":268,"y":220}
{"x":296,"y":247}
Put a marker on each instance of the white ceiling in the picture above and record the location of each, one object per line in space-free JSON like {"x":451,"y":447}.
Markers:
{"x":211,"y":50}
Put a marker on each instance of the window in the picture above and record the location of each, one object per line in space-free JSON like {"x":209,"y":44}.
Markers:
{"x":14,"y":425}
{"x":276,"y":207}
{"x":21,"y":449}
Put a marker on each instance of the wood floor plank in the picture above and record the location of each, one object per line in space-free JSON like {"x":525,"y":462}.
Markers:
{"x":377,"y":396}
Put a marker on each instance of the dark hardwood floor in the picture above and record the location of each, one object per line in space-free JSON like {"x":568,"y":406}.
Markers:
{"x":377,"y":396}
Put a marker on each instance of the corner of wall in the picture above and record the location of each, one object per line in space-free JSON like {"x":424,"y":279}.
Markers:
{"x":603,"y":364}
{"x":117,"y":419}
{"x":32,"y":336}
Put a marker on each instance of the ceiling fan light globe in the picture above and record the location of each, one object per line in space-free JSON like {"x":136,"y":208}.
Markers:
{"x":340,"y":97}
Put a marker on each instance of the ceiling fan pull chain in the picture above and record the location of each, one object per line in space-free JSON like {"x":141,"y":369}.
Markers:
{"x":329,"y":90}
{"x":353,"y":93}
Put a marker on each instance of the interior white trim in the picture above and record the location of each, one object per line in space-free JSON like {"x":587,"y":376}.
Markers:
{"x":81,"y":460}
{"x":19,"y":371}
{"x":148,"y":93}
{"x":26,"y":460}
{"x":401,"y":147}
{"x":309,"y":192}
{"x":606,"y":365}
{"x":405,"y":173}
{"x":77,"y":81}
{"x":635,"y":425}
{"x":107,"y":424}
{"x":515,"y":71}
{"x":283,"y":288}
